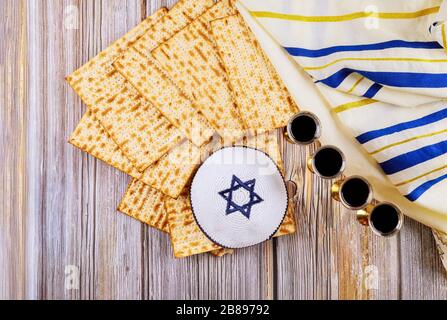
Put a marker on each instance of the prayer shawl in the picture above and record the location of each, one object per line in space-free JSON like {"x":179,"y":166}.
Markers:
{"x":382,"y":66}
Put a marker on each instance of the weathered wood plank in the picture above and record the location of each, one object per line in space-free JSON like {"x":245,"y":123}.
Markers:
{"x":422,"y":273}
{"x":13,"y":143}
{"x":54,"y":192}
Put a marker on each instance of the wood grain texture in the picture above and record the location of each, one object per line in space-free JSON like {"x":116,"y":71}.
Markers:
{"x":59,"y":205}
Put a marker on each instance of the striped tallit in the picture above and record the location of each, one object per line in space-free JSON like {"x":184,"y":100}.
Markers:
{"x":383,"y":67}
{"x":380,"y":65}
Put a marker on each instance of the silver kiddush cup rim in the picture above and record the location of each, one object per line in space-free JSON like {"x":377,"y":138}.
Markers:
{"x":342,"y":168}
{"x":398,"y":226}
{"x":368,"y":200}
{"x":317,"y":134}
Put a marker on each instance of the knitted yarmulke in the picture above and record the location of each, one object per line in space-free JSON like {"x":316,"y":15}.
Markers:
{"x":239,"y":197}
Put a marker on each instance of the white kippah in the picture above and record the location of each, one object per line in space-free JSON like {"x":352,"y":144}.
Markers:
{"x":239,"y":197}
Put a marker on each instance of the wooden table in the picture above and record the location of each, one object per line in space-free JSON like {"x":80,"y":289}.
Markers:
{"x":58,"y":208}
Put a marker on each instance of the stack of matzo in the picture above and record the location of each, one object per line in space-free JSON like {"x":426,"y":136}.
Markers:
{"x":176,"y":88}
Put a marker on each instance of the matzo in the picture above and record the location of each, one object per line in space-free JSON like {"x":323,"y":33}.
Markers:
{"x":156,"y":88}
{"x":91,"y":137}
{"x":193,"y":64}
{"x":172,"y":172}
{"x":140,"y":69}
{"x":186,"y":237}
{"x":180,"y":15}
{"x":140,"y":130}
{"x":222,"y":252}
{"x":146,"y":205}
{"x":168,"y":175}
{"x":263,"y":101}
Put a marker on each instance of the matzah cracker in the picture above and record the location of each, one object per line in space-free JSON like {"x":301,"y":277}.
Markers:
{"x":222,"y":252}
{"x":181,"y":14}
{"x":140,"y":69}
{"x":263,"y":101}
{"x":186,"y":237}
{"x":193,"y":64}
{"x":87,"y":79}
{"x":288,"y":226}
{"x":156,"y":88}
{"x":140,"y":130}
{"x":171,"y":173}
{"x":146,"y":205}
{"x":91,"y":137}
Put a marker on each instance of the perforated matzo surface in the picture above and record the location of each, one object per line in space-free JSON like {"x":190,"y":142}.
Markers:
{"x":263,"y":101}
{"x":154,"y":85}
{"x":140,"y":130}
{"x":192,"y":63}
{"x":146,"y":205}
{"x":91,"y":137}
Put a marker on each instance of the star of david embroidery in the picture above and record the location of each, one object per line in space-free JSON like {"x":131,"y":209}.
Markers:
{"x":232,"y":206}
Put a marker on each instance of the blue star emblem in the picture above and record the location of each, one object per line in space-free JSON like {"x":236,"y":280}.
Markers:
{"x":232,"y":206}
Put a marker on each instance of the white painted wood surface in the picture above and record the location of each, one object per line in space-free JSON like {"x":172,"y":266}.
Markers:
{"x":59,"y":205}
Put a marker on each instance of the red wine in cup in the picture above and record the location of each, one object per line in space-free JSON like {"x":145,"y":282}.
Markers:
{"x":385,"y":219}
{"x":328,"y":162}
{"x":356,"y":192}
{"x":304,"y":128}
